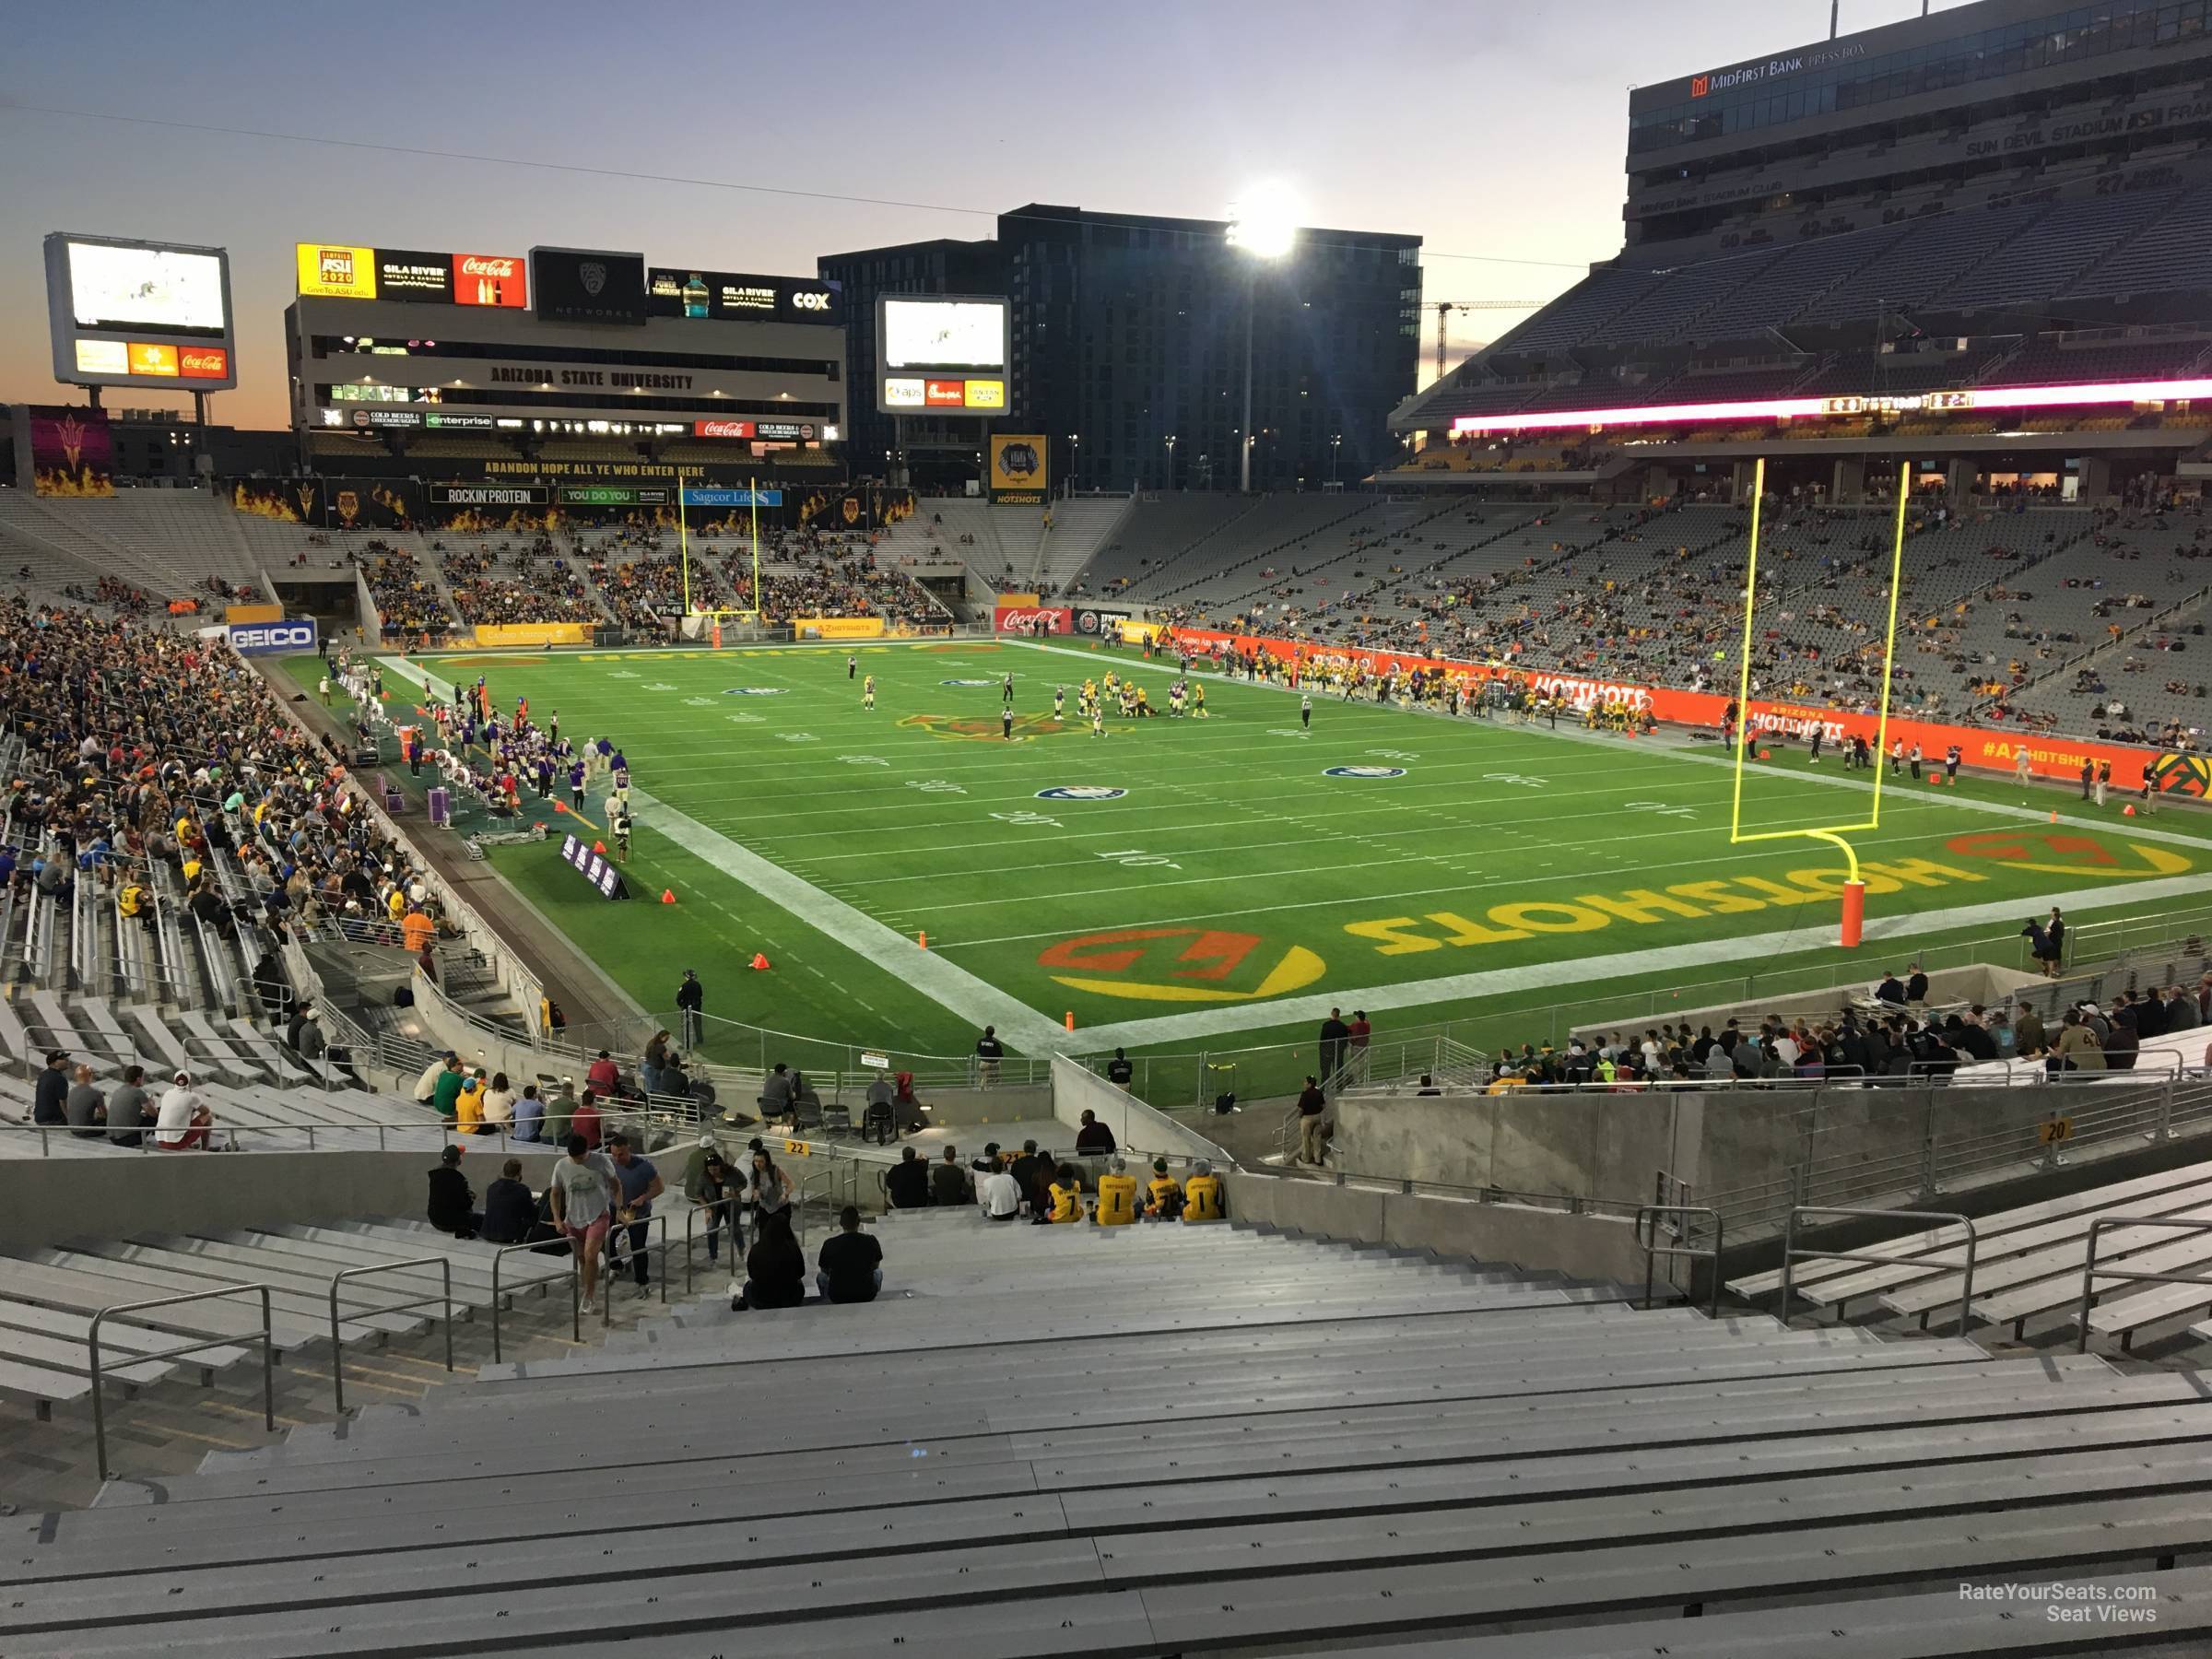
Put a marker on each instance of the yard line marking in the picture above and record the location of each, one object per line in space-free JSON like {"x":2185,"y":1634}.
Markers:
{"x":952,"y":987}
{"x":1573,"y":971}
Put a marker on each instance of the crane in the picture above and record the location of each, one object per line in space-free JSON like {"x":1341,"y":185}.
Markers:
{"x":1444,"y":308}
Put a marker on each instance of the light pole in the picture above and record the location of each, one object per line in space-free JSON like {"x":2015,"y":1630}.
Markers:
{"x":1263,"y":224}
{"x":1170,"y":482}
{"x":1074,"y":460}
{"x":1335,"y":442}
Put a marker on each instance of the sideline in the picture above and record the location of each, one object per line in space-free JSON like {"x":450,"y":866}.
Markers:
{"x":948,"y":985}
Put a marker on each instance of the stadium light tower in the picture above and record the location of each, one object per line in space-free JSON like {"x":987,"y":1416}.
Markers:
{"x":1263,"y":224}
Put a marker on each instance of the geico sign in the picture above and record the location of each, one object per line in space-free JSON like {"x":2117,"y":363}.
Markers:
{"x":807,"y":300}
{"x":274,"y":636}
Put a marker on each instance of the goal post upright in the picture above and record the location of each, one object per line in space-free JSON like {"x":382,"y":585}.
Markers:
{"x":1854,"y":889}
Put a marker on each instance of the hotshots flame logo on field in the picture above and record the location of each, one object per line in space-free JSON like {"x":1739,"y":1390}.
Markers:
{"x":948,"y":726}
{"x":2070,"y":854}
{"x":1178,"y":964}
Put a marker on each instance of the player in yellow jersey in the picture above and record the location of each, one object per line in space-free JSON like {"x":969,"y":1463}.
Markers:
{"x":867,"y":692}
{"x":1198,"y":700}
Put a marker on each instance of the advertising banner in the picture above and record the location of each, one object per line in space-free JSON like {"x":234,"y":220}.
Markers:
{"x":732,"y":498}
{"x":72,"y":451}
{"x":533,"y":633}
{"x":837,"y":628}
{"x":261,"y":639}
{"x":733,"y":296}
{"x":588,"y":284}
{"x":299,"y":501}
{"x":1094,"y":623}
{"x":121,"y":312}
{"x":1017,"y":470}
{"x":335,"y":270}
{"x":369,"y":503}
{"x":409,"y":273}
{"x":1033,"y":620}
{"x":499,"y":279}
{"x":1989,"y":749}
{"x":253,"y":613}
{"x":488,"y":495}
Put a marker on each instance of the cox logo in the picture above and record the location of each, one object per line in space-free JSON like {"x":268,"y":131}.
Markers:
{"x":1081,"y":791}
{"x":809,"y":300}
{"x":754,"y":691}
{"x":1364,"y":771}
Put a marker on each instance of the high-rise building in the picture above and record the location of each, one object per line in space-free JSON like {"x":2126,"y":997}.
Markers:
{"x":1129,"y":346}
{"x":927,"y":268}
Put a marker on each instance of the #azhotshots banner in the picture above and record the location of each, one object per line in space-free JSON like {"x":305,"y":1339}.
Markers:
{"x":1017,"y":469}
{"x":1989,"y":749}
{"x":72,"y":451}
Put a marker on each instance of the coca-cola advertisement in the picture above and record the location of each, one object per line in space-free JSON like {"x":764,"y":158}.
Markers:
{"x":499,"y":279}
{"x":1033,"y":621}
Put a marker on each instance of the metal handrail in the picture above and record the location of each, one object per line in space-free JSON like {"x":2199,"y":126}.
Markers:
{"x":1792,"y":1255}
{"x":267,"y":1335}
{"x":2090,"y":1272}
{"x":445,"y":1300}
{"x":606,"y":1297}
{"x":1654,"y":1250}
{"x":691,"y":1218}
{"x":575,"y":1286}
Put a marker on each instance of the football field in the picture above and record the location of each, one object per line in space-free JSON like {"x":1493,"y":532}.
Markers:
{"x":1183,"y":886}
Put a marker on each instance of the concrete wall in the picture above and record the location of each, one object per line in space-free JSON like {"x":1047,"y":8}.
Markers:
{"x":1590,"y":1146}
{"x":65,"y":1198}
{"x":1137,"y":1126}
{"x":1525,"y":1235}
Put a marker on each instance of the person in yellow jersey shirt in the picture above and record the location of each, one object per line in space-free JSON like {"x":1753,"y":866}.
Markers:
{"x":1117,"y":1196}
{"x":867,"y":692}
{"x":1163,"y":1192}
{"x":1066,"y":1194}
{"x":1202,"y":1194}
{"x":468,"y":1105}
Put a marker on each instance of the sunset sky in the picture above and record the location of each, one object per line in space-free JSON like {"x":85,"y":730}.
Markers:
{"x":1493,"y":128}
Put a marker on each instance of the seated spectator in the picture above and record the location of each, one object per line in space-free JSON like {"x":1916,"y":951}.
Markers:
{"x":126,"y":1108}
{"x":1093,"y":1136}
{"x":49,"y":1104}
{"x":948,"y":1182}
{"x":1066,"y":1194}
{"x":453,"y":1206}
{"x":879,"y":1124}
{"x":510,"y":1206}
{"x":1202,"y":1196}
{"x":998,"y":1194}
{"x":529,"y":1115}
{"x":776,"y":1094}
{"x":1117,"y":1196}
{"x":908,"y":1183}
{"x":468,"y":1104}
{"x":851,"y":1265}
{"x":182,"y":1123}
{"x":584,"y":1119}
{"x":85,"y":1109}
{"x":445,"y":1093}
{"x":498,"y":1105}
{"x":425,"y":1085}
{"x":1164,"y":1194}
{"x":775,"y":1270}
{"x":604,"y":1074}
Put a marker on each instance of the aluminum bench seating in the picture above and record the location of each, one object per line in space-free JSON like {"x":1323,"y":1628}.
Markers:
{"x":2030,"y":1273}
{"x":1946,"y":1264}
{"x":213,"y":1053}
{"x":2131,"y":1250}
{"x":250,"y":1253}
{"x":355,"y":1300}
{"x":123,"y":1335}
{"x":370,"y":1242}
{"x":74,"y":1288}
{"x":166,"y":1050}
{"x":1938,"y":1626}
{"x":1989,"y":1228}
{"x":975,"y":1484}
{"x":298,"y":1319}
{"x":1428,"y":1425}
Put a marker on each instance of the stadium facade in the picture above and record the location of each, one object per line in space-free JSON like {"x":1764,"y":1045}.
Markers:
{"x":1129,"y":333}
{"x":560,"y":365}
{"x":1862,"y":245}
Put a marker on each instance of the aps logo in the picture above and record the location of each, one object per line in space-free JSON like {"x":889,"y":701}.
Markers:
{"x":1364,"y":771}
{"x":755,"y":691}
{"x":1081,"y":791}
{"x":1178,"y":964}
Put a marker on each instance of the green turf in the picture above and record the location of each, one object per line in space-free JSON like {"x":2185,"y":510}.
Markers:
{"x":1242,"y":870}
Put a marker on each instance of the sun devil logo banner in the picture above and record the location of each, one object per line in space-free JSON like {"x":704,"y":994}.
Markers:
{"x":1179,"y":964}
